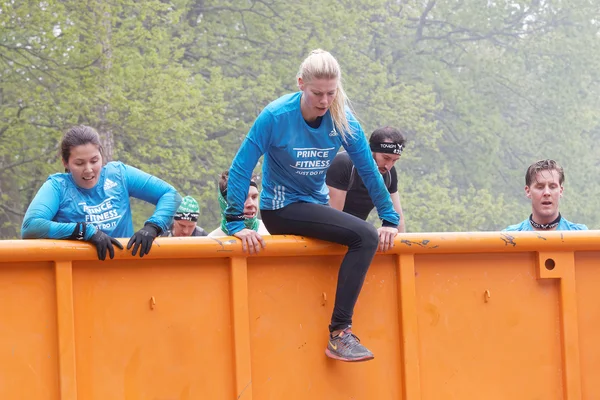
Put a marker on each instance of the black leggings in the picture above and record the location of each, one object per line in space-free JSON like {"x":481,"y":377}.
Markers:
{"x":326,"y":223}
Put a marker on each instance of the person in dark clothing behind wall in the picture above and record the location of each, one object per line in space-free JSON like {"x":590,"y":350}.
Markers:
{"x":185,"y":220}
{"x":347,"y":191}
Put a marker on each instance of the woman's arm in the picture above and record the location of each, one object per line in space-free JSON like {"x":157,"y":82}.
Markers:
{"x":244,"y":162}
{"x":151,"y":189}
{"x":38,"y":223}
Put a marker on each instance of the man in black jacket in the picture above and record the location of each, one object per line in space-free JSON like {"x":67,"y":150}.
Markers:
{"x":348,"y":193}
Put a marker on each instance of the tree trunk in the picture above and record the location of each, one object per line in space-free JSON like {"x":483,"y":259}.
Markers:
{"x":105,"y":128}
{"x":11,"y":211}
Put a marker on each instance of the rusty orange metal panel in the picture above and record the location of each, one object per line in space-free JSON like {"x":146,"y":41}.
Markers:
{"x":153,"y":330}
{"x":488,"y":328}
{"x":66,"y":330}
{"x":448,"y":315}
{"x":288,"y":328}
{"x":587,"y":272}
{"x":28,"y":331}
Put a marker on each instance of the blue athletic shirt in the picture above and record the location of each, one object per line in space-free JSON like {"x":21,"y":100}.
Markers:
{"x":563,"y":225}
{"x":296,"y":161}
{"x":60,"y":204}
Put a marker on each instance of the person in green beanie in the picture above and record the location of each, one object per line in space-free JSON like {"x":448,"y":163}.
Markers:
{"x":185,"y":220}
{"x":251,"y":220}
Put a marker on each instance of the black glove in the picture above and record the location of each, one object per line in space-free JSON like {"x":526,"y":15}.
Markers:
{"x":143,"y":239}
{"x":104,"y":242}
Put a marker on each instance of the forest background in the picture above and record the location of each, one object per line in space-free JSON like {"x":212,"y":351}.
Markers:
{"x":482,"y":89}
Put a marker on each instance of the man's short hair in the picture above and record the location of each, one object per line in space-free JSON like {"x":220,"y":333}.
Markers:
{"x":386,"y":133}
{"x":224,"y":181}
{"x":544,"y":165}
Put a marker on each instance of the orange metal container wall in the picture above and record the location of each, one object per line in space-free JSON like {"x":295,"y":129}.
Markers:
{"x":448,"y":315}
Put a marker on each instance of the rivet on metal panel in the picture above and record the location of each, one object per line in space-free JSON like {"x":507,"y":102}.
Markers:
{"x":152,"y":303}
{"x":486,"y":296}
{"x":324,"y":299}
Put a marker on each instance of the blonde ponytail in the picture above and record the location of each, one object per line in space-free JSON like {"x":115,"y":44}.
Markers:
{"x":320,"y":64}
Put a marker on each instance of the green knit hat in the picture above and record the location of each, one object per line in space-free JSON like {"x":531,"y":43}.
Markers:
{"x":188,"y":210}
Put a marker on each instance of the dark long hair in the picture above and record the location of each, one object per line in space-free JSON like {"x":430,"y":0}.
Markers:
{"x":77,"y":136}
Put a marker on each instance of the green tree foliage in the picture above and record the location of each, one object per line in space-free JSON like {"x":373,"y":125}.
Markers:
{"x":482,"y":89}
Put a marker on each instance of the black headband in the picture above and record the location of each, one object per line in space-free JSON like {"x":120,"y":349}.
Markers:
{"x":390,"y":148}
{"x":224,"y":192}
{"x":187,"y":216}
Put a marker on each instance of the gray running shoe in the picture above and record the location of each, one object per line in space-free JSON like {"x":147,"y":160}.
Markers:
{"x":346,"y":347}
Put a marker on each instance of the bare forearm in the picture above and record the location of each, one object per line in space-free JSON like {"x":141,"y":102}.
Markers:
{"x":401,"y":227}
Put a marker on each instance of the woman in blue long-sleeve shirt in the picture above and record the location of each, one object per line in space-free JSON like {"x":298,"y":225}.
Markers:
{"x":90,"y":201}
{"x":299,"y":135}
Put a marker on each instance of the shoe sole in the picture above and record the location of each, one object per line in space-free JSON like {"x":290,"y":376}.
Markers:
{"x":329,"y":354}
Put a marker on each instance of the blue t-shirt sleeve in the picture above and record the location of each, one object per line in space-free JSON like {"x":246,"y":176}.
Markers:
{"x":522,"y":226}
{"x":240,"y":173}
{"x":38,"y":222}
{"x":144,"y":186}
{"x":360,"y":154}
{"x":579,"y":227}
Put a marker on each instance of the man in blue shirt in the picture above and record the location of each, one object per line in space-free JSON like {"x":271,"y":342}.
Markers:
{"x":544,"y":186}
